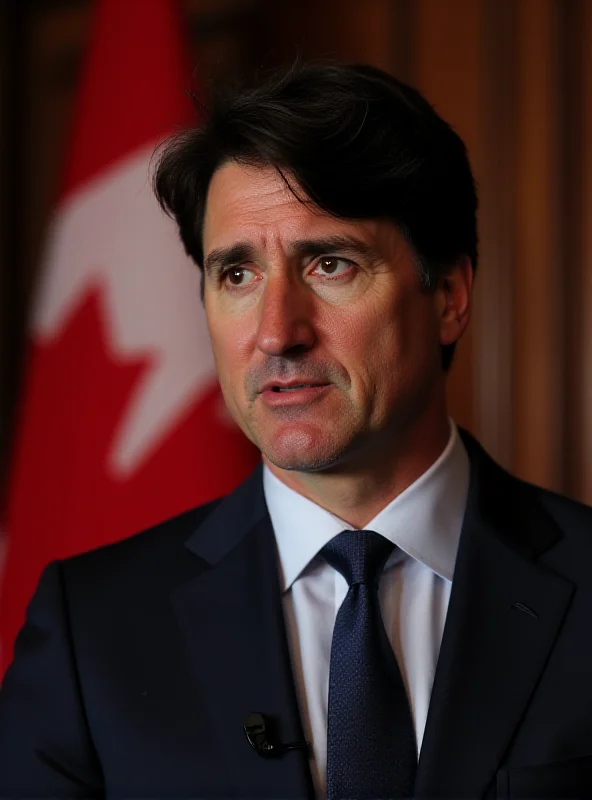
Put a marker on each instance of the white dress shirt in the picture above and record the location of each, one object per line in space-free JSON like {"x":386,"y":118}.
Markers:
{"x":424,"y":523}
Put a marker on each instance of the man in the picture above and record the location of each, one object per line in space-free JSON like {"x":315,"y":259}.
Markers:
{"x":380,"y":610}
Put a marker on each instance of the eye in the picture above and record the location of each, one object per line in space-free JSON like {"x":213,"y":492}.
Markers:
{"x":237,"y":276}
{"x":332,"y":266}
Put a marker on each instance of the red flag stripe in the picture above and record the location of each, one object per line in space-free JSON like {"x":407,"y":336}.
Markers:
{"x":133,"y":53}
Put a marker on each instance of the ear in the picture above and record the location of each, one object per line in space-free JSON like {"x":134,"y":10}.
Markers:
{"x":453,"y":300}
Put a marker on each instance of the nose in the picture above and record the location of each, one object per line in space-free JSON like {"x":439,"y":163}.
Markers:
{"x":285,"y":321}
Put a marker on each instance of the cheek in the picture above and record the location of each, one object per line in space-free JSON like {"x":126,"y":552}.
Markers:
{"x":390,"y":343}
{"x":371,"y":336}
{"x":229,"y":348}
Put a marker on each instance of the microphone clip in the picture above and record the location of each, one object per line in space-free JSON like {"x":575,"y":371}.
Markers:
{"x":259,"y":732}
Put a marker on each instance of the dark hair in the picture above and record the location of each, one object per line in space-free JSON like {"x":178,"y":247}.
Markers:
{"x":358,"y":142}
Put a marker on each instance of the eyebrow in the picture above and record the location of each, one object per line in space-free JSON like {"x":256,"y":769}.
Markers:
{"x":224,"y":257}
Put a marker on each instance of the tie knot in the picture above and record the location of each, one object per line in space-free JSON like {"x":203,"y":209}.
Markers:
{"x":358,"y":555}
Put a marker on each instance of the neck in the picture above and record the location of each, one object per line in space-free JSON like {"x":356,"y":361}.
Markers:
{"x":358,"y":492}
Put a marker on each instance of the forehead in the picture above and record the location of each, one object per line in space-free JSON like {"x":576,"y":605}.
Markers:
{"x":256,"y":204}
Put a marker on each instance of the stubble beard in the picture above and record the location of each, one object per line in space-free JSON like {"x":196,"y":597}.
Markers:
{"x":310,"y":447}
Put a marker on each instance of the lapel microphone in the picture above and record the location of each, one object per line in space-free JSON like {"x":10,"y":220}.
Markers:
{"x":260,"y":735}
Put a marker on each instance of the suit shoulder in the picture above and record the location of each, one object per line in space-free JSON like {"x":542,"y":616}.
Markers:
{"x":566,"y":511}
{"x":530,"y":516}
{"x":571,"y":518}
{"x":508,"y":488}
{"x":153,"y":549}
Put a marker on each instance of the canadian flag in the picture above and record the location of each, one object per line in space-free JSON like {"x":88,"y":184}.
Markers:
{"x":121,"y":420}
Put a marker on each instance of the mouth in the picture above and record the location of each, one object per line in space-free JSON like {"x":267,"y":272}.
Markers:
{"x":277,"y":395}
{"x":295,"y":387}
{"x":280,"y":387}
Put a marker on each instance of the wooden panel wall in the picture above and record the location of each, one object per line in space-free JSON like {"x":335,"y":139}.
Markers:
{"x":451,"y":41}
{"x":514,"y":78}
{"x":537,"y":308}
{"x":581,"y":447}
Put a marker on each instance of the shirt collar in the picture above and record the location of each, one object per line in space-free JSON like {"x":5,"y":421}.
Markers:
{"x":424,"y":521}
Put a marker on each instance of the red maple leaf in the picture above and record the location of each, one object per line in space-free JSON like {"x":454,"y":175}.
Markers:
{"x":64,"y":499}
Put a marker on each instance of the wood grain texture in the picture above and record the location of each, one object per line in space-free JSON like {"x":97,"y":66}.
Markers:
{"x":537,"y":424}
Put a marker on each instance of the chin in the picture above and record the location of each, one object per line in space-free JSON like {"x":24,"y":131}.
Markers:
{"x":299,"y":464}
{"x":303,"y":450}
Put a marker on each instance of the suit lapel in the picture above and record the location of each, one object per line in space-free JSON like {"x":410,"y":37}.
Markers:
{"x":232,"y":619}
{"x":504,"y":616}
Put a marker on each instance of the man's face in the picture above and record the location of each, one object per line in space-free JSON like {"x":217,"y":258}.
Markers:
{"x":297,"y":298}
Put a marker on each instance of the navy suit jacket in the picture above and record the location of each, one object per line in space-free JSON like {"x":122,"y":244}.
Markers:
{"x":139,"y":661}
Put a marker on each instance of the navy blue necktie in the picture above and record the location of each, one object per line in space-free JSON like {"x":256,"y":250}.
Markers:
{"x":371,"y":750}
